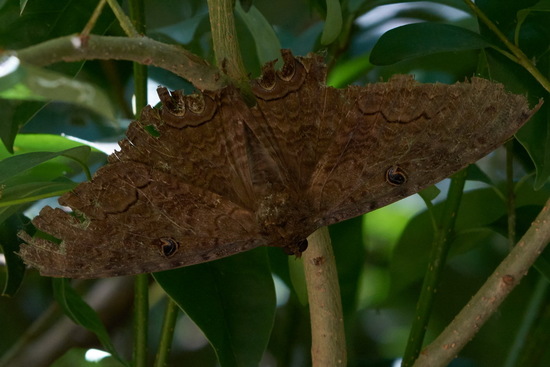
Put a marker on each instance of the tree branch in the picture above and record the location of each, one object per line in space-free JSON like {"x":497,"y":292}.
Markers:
{"x":143,"y":50}
{"x":328,"y":344}
{"x":506,"y":276}
{"x":224,"y":39}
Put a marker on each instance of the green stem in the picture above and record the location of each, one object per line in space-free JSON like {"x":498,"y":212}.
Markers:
{"x":141,"y":300}
{"x":143,"y":50}
{"x":533,"y":309}
{"x":328,"y":339}
{"x":137,"y":13}
{"x":490,"y":296}
{"x":521,"y":58}
{"x":167,"y":332}
{"x":438,"y":256}
{"x":226,"y":46}
{"x":93,"y":19}
{"x":224,"y":39}
{"x":123,"y":19}
{"x":141,"y":310}
{"x":511,"y":195}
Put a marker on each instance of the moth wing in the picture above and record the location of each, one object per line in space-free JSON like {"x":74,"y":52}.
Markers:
{"x":134,"y":219}
{"x":398,"y":137}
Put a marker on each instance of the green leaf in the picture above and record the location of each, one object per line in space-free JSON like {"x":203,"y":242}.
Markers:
{"x":298,"y":279}
{"x":29,"y":23}
{"x":543,"y":5}
{"x":476,"y":174}
{"x":333,"y":22}
{"x":18,"y":164}
{"x":77,"y":357}
{"x":267,"y":43}
{"x":32,"y":191}
{"x":13,"y":115}
{"x":232,"y":300}
{"x":10,"y":245}
{"x":26,"y":143}
{"x":535,"y":139}
{"x":245,"y":4}
{"x":349,"y":252}
{"x":420,"y":39}
{"x":28,"y":82}
{"x":543,"y":264}
{"x":429,"y":193}
{"x":345,"y":73}
{"x":478,"y":209}
{"x":82,"y":314}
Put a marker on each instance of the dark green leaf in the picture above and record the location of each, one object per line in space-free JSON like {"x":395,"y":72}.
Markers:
{"x":543,"y":264}
{"x":31,"y":191}
{"x":420,"y":39}
{"x":81,"y":313}
{"x":478,"y":209}
{"x":13,"y":115}
{"x":246,"y":4}
{"x":429,"y":193}
{"x":26,"y":24}
{"x":232,"y":300}
{"x":267,"y":44}
{"x":10,"y":245}
{"x":349,"y":251}
{"x":345,"y":73}
{"x":298,"y":279}
{"x":476,"y":174}
{"x":333,"y":22}
{"x":35,"y":84}
{"x":76,"y":357}
{"x":18,"y":164}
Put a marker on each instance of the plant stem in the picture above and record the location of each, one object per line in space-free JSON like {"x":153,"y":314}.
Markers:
{"x":123,"y":19}
{"x":485,"y":302}
{"x":531,"y":312}
{"x":438,"y":257}
{"x":325,"y":308}
{"x":225,"y":41}
{"x":521,"y":58}
{"x":141,"y":300}
{"x":142,"y":50}
{"x":167,"y":333}
{"x":137,"y":14}
{"x":511,"y":194}
{"x":141,"y":310}
{"x":93,"y":19}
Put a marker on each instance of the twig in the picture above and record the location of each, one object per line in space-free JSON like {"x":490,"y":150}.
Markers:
{"x":506,"y":276}
{"x":142,"y":50}
{"x":123,"y":19}
{"x":438,"y":257}
{"x":328,"y":345}
{"x":141,"y":281}
{"x":224,"y":39}
{"x":93,"y":19}
{"x":520,"y":57}
{"x":167,"y":333}
{"x":141,"y":310}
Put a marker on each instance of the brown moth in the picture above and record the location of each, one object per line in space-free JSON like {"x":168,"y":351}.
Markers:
{"x":222,"y":177}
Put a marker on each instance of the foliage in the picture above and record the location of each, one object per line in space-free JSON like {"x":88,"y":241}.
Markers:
{"x":381,"y":257}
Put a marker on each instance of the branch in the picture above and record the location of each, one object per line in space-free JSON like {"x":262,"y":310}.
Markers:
{"x":224,"y":39}
{"x":506,"y":276}
{"x":438,"y":258}
{"x":520,"y":57}
{"x":328,"y":344}
{"x":142,"y":50}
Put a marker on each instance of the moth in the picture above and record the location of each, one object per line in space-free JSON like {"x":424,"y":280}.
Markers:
{"x":219,"y":177}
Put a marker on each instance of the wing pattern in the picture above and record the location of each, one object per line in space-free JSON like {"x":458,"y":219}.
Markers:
{"x":219,"y":177}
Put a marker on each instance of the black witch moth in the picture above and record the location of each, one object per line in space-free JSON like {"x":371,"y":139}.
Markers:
{"x":219,"y":177}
